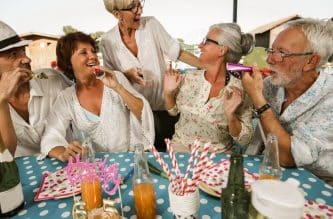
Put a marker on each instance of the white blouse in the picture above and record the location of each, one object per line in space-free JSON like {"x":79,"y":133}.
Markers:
{"x":153,"y":42}
{"x":116,"y":130}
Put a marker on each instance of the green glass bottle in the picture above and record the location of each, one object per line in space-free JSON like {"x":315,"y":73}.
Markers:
{"x":235,"y":198}
{"x":11,"y":195}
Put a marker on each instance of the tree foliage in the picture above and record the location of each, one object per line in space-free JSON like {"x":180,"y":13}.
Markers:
{"x":69,"y":29}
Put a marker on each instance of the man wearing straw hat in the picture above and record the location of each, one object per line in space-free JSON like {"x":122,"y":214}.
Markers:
{"x":24,"y":101}
{"x":295,"y":102}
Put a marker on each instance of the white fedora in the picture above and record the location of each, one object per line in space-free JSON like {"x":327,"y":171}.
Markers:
{"x":9,"y":38}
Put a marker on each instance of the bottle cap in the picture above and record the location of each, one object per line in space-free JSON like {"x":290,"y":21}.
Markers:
{"x":277,"y":199}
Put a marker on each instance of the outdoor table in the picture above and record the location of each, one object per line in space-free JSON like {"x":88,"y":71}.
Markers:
{"x":31,"y":171}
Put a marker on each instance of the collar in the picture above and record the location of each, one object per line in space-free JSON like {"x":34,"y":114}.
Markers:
{"x":309,"y":98}
{"x":35,"y":89}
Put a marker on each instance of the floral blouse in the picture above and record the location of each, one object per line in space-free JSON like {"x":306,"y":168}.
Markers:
{"x":200,"y":117}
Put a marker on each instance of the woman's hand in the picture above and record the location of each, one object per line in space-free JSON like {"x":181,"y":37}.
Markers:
{"x":232,"y":99}
{"x":172,"y":79}
{"x":71,"y":150}
{"x":110,"y":80}
{"x":134,"y":75}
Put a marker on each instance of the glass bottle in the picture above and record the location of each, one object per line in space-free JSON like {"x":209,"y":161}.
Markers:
{"x":270,"y":166}
{"x":143,"y":188}
{"x":235,"y":198}
{"x":11,"y":195}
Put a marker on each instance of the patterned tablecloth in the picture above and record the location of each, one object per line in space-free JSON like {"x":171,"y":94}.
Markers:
{"x":31,"y":171}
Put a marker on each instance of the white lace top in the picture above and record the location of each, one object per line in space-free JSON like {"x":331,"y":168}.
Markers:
{"x":116,"y":130}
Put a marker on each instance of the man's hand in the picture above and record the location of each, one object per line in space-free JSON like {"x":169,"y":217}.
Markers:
{"x":10,"y":81}
{"x":254,"y":85}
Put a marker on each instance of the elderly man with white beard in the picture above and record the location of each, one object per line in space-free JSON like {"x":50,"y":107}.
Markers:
{"x":296,"y":102}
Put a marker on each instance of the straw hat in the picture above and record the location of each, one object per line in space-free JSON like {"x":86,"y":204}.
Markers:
{"x":9,"y":38}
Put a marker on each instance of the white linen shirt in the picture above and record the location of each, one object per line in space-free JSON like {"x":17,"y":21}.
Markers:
{"x":117,"y":129}
{"x":309,"y":121}
{"x":153,"y":42}
{"x":43,"y":93}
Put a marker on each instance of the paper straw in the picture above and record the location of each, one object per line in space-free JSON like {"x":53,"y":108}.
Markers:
{"x":195,"y":150}
{"x":180,"y":182}
{"x":162,"y":163}
{"x":263,"y":136}
{"x":191,"y":159}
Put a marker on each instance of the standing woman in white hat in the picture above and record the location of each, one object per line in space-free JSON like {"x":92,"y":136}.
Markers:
{"x":137,"y":46}
{"x":24,"y":101}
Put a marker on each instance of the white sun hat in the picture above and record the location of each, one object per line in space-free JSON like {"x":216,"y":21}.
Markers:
{"x":9,"y":38}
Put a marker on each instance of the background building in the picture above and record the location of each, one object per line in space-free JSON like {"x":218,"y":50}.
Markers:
{"x":264,"y":35}
{"x":42,"y":50}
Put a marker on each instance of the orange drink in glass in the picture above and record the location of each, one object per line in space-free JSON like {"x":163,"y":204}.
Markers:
{"x":144,"y":200}
{"x":91,"y":192}
{"x":268,"y":176}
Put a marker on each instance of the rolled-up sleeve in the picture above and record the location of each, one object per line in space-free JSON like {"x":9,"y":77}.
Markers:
{"x":57,"y":124}
{"x":140,"y":131}
{"x":312,"y":139}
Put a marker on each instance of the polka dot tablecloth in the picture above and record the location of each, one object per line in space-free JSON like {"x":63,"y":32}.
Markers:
{"x":31,"y":171}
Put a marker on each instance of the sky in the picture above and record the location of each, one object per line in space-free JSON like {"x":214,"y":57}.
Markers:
{"x":186,"y":19}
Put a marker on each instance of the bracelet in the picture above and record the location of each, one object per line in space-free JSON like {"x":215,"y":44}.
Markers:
{"x":258,"y":112}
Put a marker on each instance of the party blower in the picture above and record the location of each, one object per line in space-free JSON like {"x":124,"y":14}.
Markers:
{"x":237,"y":69}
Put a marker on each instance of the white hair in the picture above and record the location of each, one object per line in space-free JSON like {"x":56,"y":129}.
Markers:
{"x":238,"y":43}
{"x":319,"y":33}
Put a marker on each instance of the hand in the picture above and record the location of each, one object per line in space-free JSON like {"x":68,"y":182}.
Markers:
{"x":71,"y":150}
{"x":172,"y":79}
{"x":134,"y":75}
{"x":10,"y":81}
{"x":253,"y":84}
{"x":231,"y":100}
{"x":110,"y":80}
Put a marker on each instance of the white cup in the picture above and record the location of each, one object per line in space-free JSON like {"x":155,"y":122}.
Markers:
{"x":276,"y":199}
{"x":186,"y":206}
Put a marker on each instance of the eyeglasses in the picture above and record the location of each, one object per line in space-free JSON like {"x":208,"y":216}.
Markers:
{"x":280,"y":55}
{"x":206,"y":39}
{"x":135,"y":8}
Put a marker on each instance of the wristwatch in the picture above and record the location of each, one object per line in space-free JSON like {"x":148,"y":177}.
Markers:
{"x":258,"y":112}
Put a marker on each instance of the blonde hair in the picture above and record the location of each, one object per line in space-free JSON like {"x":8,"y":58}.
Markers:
{"x":115,"y":5}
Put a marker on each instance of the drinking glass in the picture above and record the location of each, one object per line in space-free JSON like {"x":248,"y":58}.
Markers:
{"x":270,"y":166}
{"x":88,"y":153}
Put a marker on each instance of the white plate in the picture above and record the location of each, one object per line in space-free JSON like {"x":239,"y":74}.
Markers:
{"x":219,"y":175}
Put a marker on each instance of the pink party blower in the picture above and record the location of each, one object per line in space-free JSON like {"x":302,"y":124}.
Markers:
{"x":238,"y":67}
{"x":243,"y":68}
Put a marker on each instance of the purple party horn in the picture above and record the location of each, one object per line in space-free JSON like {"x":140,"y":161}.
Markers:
{"x":238,"y":67}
